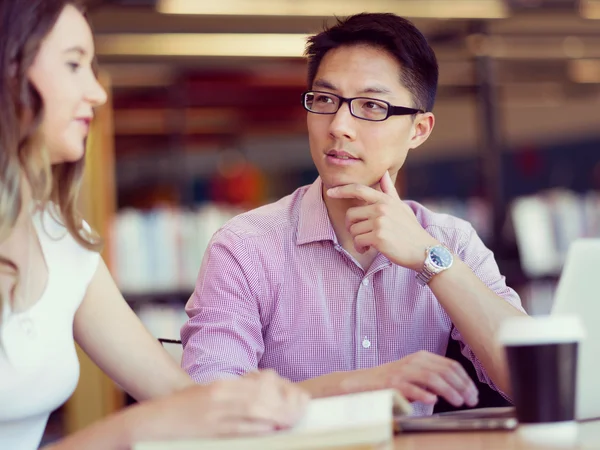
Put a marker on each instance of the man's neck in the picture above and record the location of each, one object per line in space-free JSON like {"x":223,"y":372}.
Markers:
{"x":337,"y":209}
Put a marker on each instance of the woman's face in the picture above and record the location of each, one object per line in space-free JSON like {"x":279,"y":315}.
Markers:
{"x":62,"y":73}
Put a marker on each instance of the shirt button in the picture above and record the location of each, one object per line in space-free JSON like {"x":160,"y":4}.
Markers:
{"x":366,"y":343}
{"x":365,"y":282}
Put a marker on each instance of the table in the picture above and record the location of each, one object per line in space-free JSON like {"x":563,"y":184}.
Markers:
{"x":589,"y":433}
{"x":589,"y":438}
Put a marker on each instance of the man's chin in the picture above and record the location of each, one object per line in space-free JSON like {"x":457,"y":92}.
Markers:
{"x":330,"y":182}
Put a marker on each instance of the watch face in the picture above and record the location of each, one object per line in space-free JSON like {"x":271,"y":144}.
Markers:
{"x":440,"y":257}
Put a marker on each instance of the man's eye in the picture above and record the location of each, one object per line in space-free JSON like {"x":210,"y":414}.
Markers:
{"x":372,"y":105}
{"x":323,"y":99}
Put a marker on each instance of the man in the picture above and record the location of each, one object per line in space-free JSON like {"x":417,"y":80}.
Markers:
{"x":342,"y":286}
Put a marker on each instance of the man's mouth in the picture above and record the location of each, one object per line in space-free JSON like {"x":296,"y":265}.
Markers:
{"x":337,"y":154}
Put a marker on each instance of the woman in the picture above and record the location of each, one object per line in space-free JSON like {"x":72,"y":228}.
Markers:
{"x":54,"y":287}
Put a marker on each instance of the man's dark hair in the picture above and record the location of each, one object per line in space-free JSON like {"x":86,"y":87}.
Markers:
{"x":392,"y":33}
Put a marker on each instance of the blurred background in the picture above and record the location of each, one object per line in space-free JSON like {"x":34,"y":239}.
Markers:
{"x":205,"y":121}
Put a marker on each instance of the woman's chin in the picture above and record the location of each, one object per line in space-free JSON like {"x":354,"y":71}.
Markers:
{"x":69,"y":155}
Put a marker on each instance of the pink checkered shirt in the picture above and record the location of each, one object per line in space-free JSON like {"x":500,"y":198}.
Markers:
{"x":277,"y":291}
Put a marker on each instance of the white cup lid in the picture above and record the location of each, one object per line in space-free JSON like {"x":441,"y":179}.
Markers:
{"x":550,"y":435}
{"x":534,"y":330}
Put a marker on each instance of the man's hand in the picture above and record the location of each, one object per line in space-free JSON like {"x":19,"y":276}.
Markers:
{"x":385,"y":223}
{"x":420,"y":377}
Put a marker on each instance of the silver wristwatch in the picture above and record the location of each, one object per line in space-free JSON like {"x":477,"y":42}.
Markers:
{"x":437,"y":259}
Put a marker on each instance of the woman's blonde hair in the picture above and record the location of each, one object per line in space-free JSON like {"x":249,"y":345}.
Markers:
{"x":23,"y":26}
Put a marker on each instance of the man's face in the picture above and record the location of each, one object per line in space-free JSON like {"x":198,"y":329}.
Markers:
{"x":346,"y":149}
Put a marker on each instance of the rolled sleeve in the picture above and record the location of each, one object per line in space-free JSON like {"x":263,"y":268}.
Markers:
{"x":223,"y":336}
{"x":482,"y":262}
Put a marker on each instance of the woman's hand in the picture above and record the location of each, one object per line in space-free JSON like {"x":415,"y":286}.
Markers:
{"x":257,"y":403}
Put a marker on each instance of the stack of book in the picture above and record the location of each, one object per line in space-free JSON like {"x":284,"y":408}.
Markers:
{"x":161,"y":250}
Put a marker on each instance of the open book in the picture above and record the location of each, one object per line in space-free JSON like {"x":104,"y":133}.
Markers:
{"x":353,"y":420}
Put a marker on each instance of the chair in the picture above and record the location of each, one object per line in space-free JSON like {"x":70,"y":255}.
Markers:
{"x":169,"y":341}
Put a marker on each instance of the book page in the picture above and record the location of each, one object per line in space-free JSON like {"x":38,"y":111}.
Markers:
{"x":348,"y":411}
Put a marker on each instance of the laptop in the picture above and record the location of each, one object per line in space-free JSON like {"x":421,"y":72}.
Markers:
{"x":479,"y":419}
{"x":578,"y":292}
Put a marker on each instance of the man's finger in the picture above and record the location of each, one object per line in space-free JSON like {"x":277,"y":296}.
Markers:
{"x":359,"y":214}
{"x":414,"y":393}
{"x":430,"y":381}
{"x":435,"y":383}
{"x":387,"y":185}
{"x":466,"y":388}
{"x":357,"y":191}
{"x":364,"y":242}
{"x":453,"y":373}
{"x":362,"y":227}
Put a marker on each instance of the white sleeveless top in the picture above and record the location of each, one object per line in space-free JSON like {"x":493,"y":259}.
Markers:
{"x":39,"y":369}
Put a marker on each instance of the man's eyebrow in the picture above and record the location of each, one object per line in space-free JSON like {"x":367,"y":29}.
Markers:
{"x":325,"y":85}
{"x":76,"y":49}
{"x":375,"y":89}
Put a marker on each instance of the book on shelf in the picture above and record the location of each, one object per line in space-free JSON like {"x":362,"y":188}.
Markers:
{"x":161,"y":250}
{"x":362,"y":420}
{"x":547,"y":223}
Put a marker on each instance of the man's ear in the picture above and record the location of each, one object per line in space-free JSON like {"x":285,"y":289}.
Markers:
{"x":422,"y":128}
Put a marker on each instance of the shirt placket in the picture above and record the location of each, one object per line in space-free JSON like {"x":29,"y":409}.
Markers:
{"x":367,"y":354}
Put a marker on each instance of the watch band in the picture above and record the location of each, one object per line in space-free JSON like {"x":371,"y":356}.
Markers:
{"x":425,"y":276}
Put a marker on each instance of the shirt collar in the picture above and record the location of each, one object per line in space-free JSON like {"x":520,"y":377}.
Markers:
{"x":314,"y":224}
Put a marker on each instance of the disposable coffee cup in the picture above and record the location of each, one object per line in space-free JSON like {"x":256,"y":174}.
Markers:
{"x":541,"y":353}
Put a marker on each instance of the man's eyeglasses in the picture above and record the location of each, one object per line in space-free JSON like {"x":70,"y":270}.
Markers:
{"x":365,"y":108}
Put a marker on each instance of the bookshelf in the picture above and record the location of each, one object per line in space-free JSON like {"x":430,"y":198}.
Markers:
{"x":143,"y":125}
{"x":196,"y":108}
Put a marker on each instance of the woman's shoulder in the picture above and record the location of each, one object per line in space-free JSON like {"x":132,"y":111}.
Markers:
{"x":57,"y":242}
{"x":50,"y":220}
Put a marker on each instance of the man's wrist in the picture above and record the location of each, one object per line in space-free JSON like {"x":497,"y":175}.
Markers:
{"x":418,"y":259}
{"x":421,"y":254}
{"x":339,"y":383}
{"x":457,"y":269}
{"x":358,"y":381}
